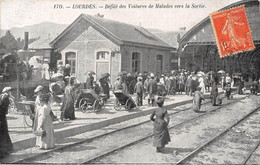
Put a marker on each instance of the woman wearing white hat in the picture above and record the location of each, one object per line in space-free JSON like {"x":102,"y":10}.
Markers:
{"x":45,"y":70}
{"x":6,"y":145}
{"x":43,"y":128}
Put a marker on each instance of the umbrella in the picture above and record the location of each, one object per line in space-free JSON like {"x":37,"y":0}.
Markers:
{"x":122,"y":73}
{"x":35,"y":61}
{"x":221,"y":71}
{"x":200,"y":73}
{"x":90,"y":72}
{"x":210,"y":72}
{"x":104,"y":75}
{"x":8,"y":56}
{"x":56,"y":75}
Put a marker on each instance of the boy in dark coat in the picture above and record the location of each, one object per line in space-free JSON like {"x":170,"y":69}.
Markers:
{"x":139,"y":88}
{"x":152,"y":89}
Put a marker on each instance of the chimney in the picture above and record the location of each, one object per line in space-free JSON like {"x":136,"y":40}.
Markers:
{"x":26,"y":36}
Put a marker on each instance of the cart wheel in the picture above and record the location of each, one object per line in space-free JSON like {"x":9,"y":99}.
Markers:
{"x":128,"y":105}
{"x":83,"y":104}
{"x":96,"y":106}
{"x":117,"y":105}
{"x":27,"y":120}
{"x":136,"y":101}
{"x":102,"y":103}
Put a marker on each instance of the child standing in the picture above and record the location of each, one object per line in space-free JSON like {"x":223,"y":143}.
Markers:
{"x":139,"y":91}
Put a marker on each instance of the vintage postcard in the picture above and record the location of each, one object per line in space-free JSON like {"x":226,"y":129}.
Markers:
{"x":129,"y":82}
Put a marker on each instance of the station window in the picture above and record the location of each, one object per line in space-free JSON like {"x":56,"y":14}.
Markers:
{"x":159,"y":63}
{"x":135,"y":62}
{"x":71,"y":59}
{"x":102,"y":55}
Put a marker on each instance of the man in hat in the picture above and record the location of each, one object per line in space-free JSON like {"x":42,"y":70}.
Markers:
{"x":152,"y":89}
{"x":138,"y":89}
{"x":6,"y":145}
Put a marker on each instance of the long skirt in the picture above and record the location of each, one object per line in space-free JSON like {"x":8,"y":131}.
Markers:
{"x":196,"y":103}
{"x":6,"y":145}
{"x":68,"y":109}
{"x":47,"y":141}
{"x":161,"y":133}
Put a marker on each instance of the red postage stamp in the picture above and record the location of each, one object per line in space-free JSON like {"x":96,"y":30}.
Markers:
{"x":232,"y":31}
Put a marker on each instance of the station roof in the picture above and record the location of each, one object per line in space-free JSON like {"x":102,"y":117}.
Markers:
{"x":120,"y":33}
{"x":42,"y":43}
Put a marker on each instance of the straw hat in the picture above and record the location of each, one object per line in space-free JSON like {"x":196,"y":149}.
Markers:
{"x":6,"y":89}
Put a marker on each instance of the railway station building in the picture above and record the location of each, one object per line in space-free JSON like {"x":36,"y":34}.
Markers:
{"x":93,"y":43}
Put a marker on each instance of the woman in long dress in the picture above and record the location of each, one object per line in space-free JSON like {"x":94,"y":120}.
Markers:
{"x":67,"y":108}
{"x":6,"y":145}
{"x":198,"y":97}
{"x":160,"y":129}
{"x":44,"y":122}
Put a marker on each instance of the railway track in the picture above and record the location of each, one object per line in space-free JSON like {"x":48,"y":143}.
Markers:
{"x":188,"y":158}
{"x":125,"y":145}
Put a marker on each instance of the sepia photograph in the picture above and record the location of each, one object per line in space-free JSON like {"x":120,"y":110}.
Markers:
{"x":130,"y":82}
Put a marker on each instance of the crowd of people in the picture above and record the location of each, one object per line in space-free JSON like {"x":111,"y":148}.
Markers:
{"x":147,"y":86}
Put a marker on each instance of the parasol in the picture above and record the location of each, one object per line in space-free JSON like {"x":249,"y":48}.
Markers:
{"x":56,"y":75}
{"x":104,"y":75}
{"x":122,"y":73}
{"x":200,"y":73}
{"x":35,"y":61}
{"x":8,"y":56}
{"x":90,"y":72}
{"x":221,"y":71}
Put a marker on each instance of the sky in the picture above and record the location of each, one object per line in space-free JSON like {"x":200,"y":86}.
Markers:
{"x":174,"y":15}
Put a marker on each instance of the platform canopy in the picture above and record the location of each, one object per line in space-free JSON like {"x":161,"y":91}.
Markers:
{"x":202,"y":33}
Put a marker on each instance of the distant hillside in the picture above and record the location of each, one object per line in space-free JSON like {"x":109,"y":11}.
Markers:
{"x":170,"y":37}
{"x":42,"y":30}
{"x":49,"y":30}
